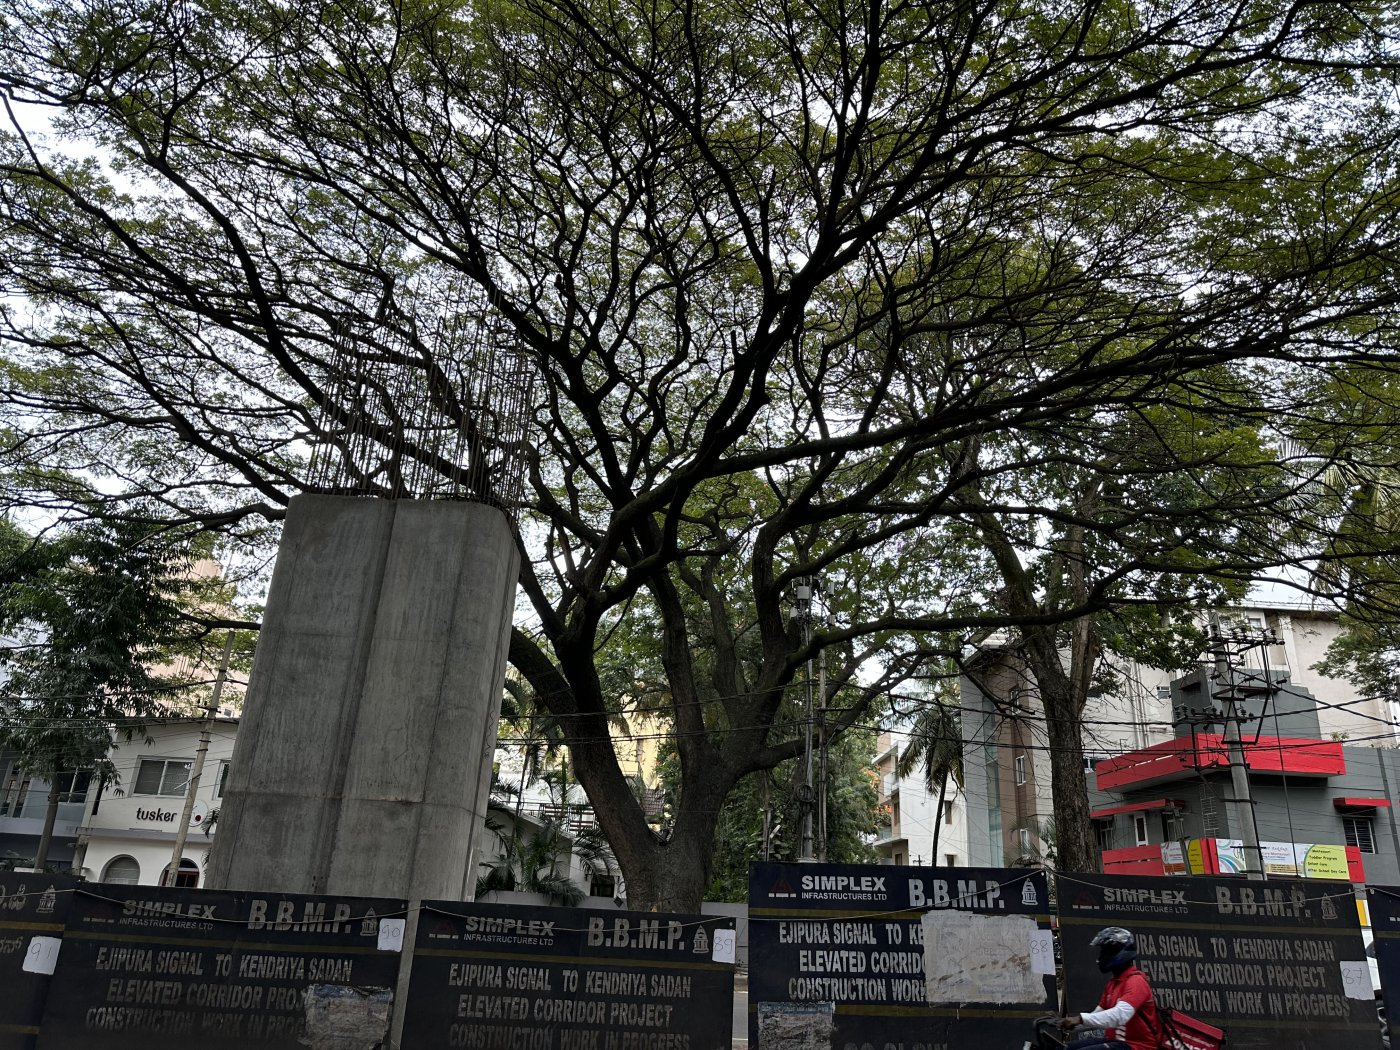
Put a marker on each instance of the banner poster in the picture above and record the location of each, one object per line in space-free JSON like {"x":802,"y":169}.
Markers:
{"x":509,"y":977}
{"x":1287,"y":859}
{"x":1384,"y":909}
{"x":32,"y":909}
{"x":1279,"y":965}
{"x":897,"y":958}
{"x":151,"y":968}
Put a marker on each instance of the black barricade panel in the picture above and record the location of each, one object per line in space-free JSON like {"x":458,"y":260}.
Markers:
{"x":1279,"y":965}
{"x":149,"y":968}
{"x":32,"y":910}
{"x":1385,"y":929}
{"x":912,"y":958}
{"x":505,"y":977}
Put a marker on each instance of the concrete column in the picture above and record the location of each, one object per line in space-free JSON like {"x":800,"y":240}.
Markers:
{"x":364,"y":751}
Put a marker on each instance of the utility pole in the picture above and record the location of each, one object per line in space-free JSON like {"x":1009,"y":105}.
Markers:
{"x":822,"y":769}
{"x":1225,"y":693}
{"x":804,"y":591}
{"x":182,"y":829}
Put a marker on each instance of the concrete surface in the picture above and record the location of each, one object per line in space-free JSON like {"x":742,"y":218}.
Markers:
{"x":741,"y":1010}
{"x":364,"y":752}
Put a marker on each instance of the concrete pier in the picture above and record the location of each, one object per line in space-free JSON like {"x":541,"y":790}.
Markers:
{"x":364,"y":752}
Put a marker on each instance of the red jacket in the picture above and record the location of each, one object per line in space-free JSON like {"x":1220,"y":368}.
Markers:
{"x":1131,"y":986}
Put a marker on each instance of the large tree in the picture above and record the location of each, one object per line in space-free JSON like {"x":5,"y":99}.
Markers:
{"x":779,"y":270}
{"x":92,"y":618}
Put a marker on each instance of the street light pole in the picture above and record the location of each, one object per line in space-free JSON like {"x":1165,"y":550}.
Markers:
{"x":182,"y":829}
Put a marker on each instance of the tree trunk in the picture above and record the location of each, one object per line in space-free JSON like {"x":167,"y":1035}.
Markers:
{"x":41,"y":856}
{"x":1062,"y":693}
{"x":938,"y":818}
{"x":1076,"y":849}
{"x":676,"y":878}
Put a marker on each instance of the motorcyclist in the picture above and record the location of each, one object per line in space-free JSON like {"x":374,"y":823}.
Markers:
{"x":1127,"y":1011}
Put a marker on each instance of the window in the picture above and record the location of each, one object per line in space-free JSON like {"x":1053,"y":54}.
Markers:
{"x":947,"y":813}
{"x":951,"y":859}
{"x":1359,"y":833}
{"x":1173,"y":825}
{"x":24,"y":796}
{"x":1020,"y":770}
{"x":157,"y":776}
{"x":1103,"y":834}
{"x":122,"y":871}
{"x":1140,"y":829}
{"x":13,"y":792}
{"x":601,"y":884}
{"x":1024,"y":838}
{"x":222,"y":780}
{"x":188,"y":875}
{"x":73,"y":786}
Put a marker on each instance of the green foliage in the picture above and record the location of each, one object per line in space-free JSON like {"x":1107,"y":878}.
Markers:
{"x":866,"y":292}
{"x":535,"y":852}
{"x":853,"y":816}
{"x":90,"y":613}
{"x":1043,"y":847}
{"x":1348,"y":488}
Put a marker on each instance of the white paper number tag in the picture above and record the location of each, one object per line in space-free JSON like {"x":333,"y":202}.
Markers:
{"x":42,"y":956}
{"x":1356,"y":980}
{"x":723,"y":949}
{"x":1042,"y":952}
{"x":391,"y":935}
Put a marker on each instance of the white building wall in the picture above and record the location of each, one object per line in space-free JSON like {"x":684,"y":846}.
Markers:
{"x":129,"y":832}
{"x":911,"y":836}
{"x":1139,"y":714}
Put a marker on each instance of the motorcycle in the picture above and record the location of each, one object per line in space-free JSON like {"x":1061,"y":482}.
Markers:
{"x":1179,"y":1031}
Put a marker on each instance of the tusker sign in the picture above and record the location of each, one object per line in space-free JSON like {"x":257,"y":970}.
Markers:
{"x":32,"y":909}
{"x":150,"y":968}
{"x":1279,"y":965}
{"x":504,"y":977}
{"x":859,"y":956}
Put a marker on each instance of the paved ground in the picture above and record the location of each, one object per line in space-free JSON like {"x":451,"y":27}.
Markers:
{"x":741,"y":1010}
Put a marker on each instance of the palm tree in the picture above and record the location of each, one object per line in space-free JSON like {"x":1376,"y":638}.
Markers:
{"x":935,"y":749}
{"x":1041,"y":852}
{"x":532,"y":864}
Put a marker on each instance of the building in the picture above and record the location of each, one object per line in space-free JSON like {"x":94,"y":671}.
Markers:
{"x":921,"y":828}
{"x":127,"y":833}
{"x":1154,"y":760}
{"x":535,"y":802}
{"x":1320,"y":807}
{"x":24,"y":800}
{"x":24,"y":797}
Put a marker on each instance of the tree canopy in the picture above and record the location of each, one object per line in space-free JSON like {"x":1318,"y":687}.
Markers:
{"x":92,"y":619}
{"x":855,"y":291}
